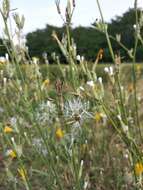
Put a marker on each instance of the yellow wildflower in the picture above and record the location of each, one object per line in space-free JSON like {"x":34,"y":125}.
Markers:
{"x":23,"y":173}
{"x":46,"y":82}
{"x":59,"y":133}
{"x":139,"y":168}
{"x":12,"y":154}
{"x":8,"y":129}
{"x":98,"y":117}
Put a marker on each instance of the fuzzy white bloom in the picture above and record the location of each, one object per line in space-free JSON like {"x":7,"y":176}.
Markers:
{"x":100,"y":80}
{"x":134,"y":26}
{"x":82,"y":58}
{"x":4,"y":80}
{"x":12,"y":139}
{"x":126,"y":156}
{"x":109,"y":70}
{"x":90,"y":83}
{"x":77,"y":110}
{"x":7,"y":57}
{"x":122,"y":88}
{"x":119,"y":117}
{"x":35,"y":60}
{"x":85,"y":185}
{"x":106,"y":69}
{"x":78,"y":57}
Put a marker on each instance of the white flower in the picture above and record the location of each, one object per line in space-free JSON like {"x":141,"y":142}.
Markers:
{"x":109,"y":70}
{"x":100,"y":80}
{"x":119,"y":117}
{"x":7,"y":57}
{"x":78,"y":57}
{"x":35,"y":60}
{"x":106,"y":69}
{"x":4,"y":80}
{"x":134,"y":26}
{"x":90,"y":83}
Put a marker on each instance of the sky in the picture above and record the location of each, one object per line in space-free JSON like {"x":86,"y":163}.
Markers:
{"x":38,"y":13}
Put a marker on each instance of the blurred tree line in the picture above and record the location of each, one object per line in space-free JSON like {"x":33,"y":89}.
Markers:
{"x":88,"y":39}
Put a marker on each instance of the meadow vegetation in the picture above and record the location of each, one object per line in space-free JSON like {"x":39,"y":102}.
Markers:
{"x":69,"y":127}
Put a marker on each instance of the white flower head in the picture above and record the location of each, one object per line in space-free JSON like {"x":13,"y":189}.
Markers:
{"x":77,"y":110}
{"x":106,"y":69}
{"x":4,"y":80}
{"x":78,"y":57}
{"x":109,"y":70}
{"x":100,"y":80}
{"x":134,"y":26}
{"x":119,"y":117}
{"x":90,"y":83}
{"x":82,"y":58}
{"x":7,"y":57}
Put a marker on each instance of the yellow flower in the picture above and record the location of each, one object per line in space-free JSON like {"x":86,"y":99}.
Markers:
{"x":98,"y":117}
{"x":46,"y":82}
{"x":12,"y":154}
{"x":139,"y":168}
{"x":23,"y":173}
{"x":8,"y":129}
{"x":59,"y":133}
